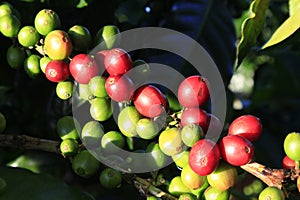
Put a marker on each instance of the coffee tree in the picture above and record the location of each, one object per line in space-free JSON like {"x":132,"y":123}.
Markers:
{"x":149,"y":100}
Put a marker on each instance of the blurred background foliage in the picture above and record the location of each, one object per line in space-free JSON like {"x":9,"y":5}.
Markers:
{"x":266,"y":84}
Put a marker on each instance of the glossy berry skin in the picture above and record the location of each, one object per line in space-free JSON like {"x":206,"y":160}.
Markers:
{"x":83,"y":68}
{"x":204,"y":157}
{"x":291,"y":146}
{"x":119,"y":88}
{"x":193,"y":91}
{"x":195,"y":116}
{"x":150,"y":101}
{"x":117,"y":61}
{"x":99,"y":58}
{"x":288,"y":163}
{"x":247,"y":126}
{"x":57,"y":71}
{"x":236,"y":150}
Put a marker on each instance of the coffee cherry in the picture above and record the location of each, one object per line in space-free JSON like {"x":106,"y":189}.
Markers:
{"x":292,"y":146}
{"x":57,"y":71}
{"x":92,"y":133}
{"x":99,"y":57}
{"x":191,"y":179}
{"x":85,"y":93}
{"x":32,"y":65}
{"x":147,"y":128}
{"x":181,"y":159}
{"x":69,"y":147}
{"x":288,"y":163}
{"x":46,"y":21}
{"x":187,"y":196}
{"x":119,"y":88}
{"x":236,"y":150}
{"x":108,"y":37}
{"x":223,"y":177}
{"x":112,"y":141}
{"x":204,"y":157}
{"x":2,"y":123}
{"x":110,"y":178}
{"x":271,"y":193}
{"x":85,"y":164}
{"x":150,"y":101}
{"x":44,"y":62}
{"x":127,"y":121}
{"x":215,"y":194}
{"x":97,"y":86}
{"x":64,"y":89}
{"x":15,"y":56}
{"x":101,"y":109}
{"x":158,"y":158}
{"x":9,"y":25}
{"x":83,"y":68}
{"x":170,"y":142}
{"x":193,"y":91}
{"x":117,"y":62}
{"x":58,"y":45}
{"x":28,"y":36}
{"x":80,"y":37}
{"x":195,"y":116}
{"x":247,"y":126}
{"x":191,"y":133}
{"x":66,"y":128}
{"x":177,"y":187}
{"x":6,"y":9}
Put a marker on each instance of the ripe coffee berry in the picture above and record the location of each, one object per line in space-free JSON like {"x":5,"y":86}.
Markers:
{"x":57,"y":71}
{"x":117,"y":61}
{"x":247,"y":126}
{"x":236,"y":150}
{"x":193,"y":91}
{"x":288,"y":163}
{"x":204,"y":157}
{"x":150,"y":101}
{"x":119,"y":88}
{"x":195,"y":116}
{"x":83,"y":68}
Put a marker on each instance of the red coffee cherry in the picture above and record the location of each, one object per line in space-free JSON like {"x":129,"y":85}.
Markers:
{"x":236,"y":150}
{"x":195,"y":116}
{"x":119,"y":88}
{"x":57,"y":71}
{"x":288,"y":163}
{"x":83,"y":68}
{"x":247,"y":126}
{"x":117,"y":61}
{"x":193,"y":91}
{"x":204,"y":157}
{"x":150,"y":101}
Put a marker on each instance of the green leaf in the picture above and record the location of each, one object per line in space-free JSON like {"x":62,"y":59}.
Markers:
{"x":294,"y":7}
{"x":285,"y":30}
{"x":23,"y":184}
{"x":251,"y":28}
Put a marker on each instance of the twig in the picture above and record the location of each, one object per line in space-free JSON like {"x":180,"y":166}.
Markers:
{"x":28,"y":142}
{"x":271,"y":177}
{"x":145,"y":186}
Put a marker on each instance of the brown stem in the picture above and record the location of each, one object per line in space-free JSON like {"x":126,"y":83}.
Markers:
{"x":145,"y":187}
{"x":27,"y":142}
{"x":271,"y":177}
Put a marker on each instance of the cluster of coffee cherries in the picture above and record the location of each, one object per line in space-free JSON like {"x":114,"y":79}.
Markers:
{"x":207,"y":165}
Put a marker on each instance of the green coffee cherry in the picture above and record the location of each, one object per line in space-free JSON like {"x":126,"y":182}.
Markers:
{"x":69,"y":147}
{"x":85,"y":164}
